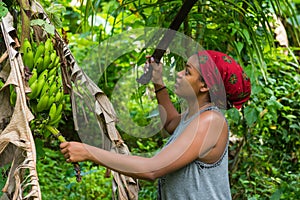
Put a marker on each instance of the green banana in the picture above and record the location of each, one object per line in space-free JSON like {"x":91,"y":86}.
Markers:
{"x":42,"y":103}
{"x":59,"y":96}
{"x":53,"y":71}
{"x":47,"y":61}
{"x":43,"y":75}
{"x":58,"y":115}
{"x":59,"y":81}
{"x":58,"y":110}
{"x":28,"y":60}
{"x":51,"y":101}
{"x":39,"y":52}
{"x":28,"y":57}
{"x":53,"y":89}
{"x":41,"y":83}
{"x":51,"y":79}
{"x":45,"y":89}
{"x":56,"y":62}
{"x":52,"y":60}
{"x":26,"y":46}
{"x":52,"y":112}
{"x":39,"y":64}
{"x":34,"y":88}
{"x":33,"y":77}
{"x":55,"y":121}
{"x":48,"y":45}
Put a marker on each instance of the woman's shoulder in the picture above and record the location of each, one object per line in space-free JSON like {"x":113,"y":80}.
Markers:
{"x":212,"y":114}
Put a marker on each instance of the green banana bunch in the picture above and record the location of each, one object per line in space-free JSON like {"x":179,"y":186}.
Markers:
{"x":47,"y":98}
{"x":46,"y":85}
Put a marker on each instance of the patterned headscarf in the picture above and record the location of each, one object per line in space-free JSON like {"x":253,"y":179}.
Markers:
{"x":227,"y":82}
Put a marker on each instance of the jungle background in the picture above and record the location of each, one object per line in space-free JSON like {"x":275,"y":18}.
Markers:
{"x":264,"y":148}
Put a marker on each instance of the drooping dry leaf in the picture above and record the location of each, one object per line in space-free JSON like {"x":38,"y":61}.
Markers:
{"x":15,"y":135}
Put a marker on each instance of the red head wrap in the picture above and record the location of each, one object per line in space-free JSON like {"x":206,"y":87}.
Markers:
{"x":227,"y":82}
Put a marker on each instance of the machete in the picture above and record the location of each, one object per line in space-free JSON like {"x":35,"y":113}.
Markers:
{"x":167,"y":38}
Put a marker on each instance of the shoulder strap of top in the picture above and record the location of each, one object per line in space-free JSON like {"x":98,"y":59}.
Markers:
{"x":199,"y":112}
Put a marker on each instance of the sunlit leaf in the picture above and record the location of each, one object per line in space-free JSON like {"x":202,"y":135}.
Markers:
{"x":3,"y":10}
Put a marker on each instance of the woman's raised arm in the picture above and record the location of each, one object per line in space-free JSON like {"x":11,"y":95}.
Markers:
{"x":168,"y":113}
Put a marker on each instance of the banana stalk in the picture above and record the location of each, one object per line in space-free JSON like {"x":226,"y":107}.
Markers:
{"x":61,"y":138}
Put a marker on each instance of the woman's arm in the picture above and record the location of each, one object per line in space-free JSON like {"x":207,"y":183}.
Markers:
{"x":202,"y":136}
{"x":168,"y":113}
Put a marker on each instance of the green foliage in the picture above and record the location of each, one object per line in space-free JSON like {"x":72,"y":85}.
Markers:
{"x":148,"y":190}
{"x":56,"y":175}
{"x":4,"y":170}
{"x":269,"y":159}
{"x":46,"y":26}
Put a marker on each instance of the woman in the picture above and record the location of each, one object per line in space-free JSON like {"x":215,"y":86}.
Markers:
{"x":194,"y":162}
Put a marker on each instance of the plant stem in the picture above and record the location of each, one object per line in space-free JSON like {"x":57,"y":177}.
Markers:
{"x":25,"y":17}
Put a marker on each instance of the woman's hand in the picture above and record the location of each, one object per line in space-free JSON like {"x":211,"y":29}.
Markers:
{"x":157,"y":70}
{"x":74,"y":151}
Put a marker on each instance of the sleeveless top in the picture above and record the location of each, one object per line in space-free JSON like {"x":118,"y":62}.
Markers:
{"x":197,"y":180}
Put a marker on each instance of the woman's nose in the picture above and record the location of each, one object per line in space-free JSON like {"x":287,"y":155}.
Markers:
{"x":180,"y":73}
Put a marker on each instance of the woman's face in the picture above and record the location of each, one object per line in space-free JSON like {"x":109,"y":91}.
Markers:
{"x":188,"y":82}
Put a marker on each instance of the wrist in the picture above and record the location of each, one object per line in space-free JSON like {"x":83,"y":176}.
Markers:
{"x":160,"y":89}
{"x":158,"y":85}
{"x":158,"y":81}
{"x":88,"y":156}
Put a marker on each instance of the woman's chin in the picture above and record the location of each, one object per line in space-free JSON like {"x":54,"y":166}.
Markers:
{"x":177,"y":91}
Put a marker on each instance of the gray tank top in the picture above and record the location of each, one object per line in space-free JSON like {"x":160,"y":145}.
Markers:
{"x":197,"y":180}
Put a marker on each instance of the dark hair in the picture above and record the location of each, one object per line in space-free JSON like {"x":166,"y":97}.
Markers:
{"x":202,"y":80}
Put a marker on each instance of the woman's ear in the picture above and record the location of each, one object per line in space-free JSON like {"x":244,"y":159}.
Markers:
{"x":203,"y":87}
